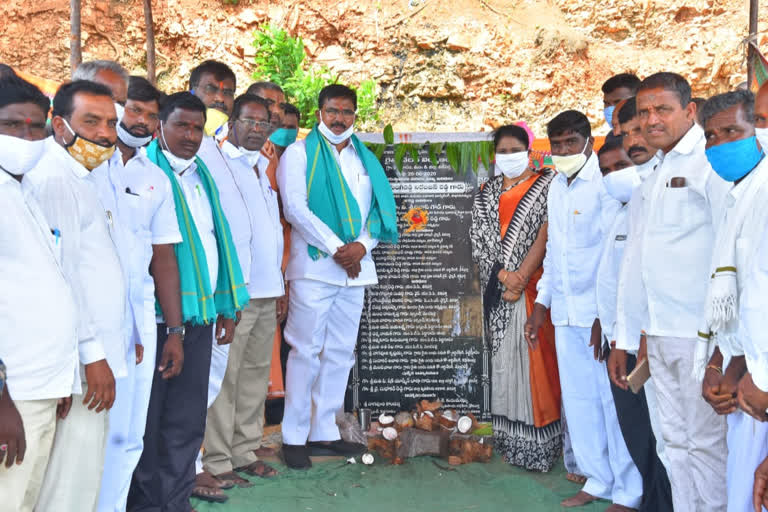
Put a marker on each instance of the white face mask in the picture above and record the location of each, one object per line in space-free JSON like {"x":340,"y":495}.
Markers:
{"x":571,"y":164}
{"x":177,"y":163}
{"x":252,"y":156}
{"x":511,"y":165}
{"x":762,"y":137}
{"x":120,"y":112}
{"x":19,"y":156}
{"x":332,"y":137}
{"x":130,"y":140}
{"x":620,"y":184}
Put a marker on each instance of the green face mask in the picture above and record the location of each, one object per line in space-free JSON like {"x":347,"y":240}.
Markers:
{"x":283,"y":137}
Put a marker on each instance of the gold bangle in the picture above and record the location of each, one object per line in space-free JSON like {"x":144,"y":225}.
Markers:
{"x":716,"y":368}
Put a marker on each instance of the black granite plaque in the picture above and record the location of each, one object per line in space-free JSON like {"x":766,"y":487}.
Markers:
{"x":421,"y":334}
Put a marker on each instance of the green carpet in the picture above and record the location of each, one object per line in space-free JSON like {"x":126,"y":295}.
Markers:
{"x":418,"y":485}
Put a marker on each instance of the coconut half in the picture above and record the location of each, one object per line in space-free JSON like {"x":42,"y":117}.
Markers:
{"x":367,"y":459}
{"x":386,"y":419}
{"x":464,"y":424}
{"x":389,"y":433}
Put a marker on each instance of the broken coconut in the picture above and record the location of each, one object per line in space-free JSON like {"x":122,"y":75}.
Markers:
{"x":464,"y":424}
{"x":367,"y":459}
{"x":386,"y":420}
{"x":403,"y":420}
{"x":389,"y":433}
{"x":448,"y":418}
{"x":424,"y":422}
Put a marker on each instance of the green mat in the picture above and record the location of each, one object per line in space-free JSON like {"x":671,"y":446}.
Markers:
{"x":418,"y":485}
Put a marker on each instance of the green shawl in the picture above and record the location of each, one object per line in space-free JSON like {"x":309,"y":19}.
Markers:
{"x":198,"y":304}
{"x":330,"y":198}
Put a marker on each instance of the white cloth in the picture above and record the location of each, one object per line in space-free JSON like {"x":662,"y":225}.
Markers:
{"x":323,"y":322}
{"x":263,"y":270}
{"x":202,"y":215}
{"x":753,"y":304}
{"x":593,"y":425}
{"x":671,"y":235}
{"x":38,"y":311}
{"x":694,"y":435}
{"x":646,"y":169}
{"x":219,"y":358}
{"x":73,"y":477}
{"x":743,"y":221}
{"x":233,"y":201}
{"x":579,"y":216}
{"x":747,"y":448}
{"x":140,"y":198}
{"x":88,"y":255}
{"x":653,"y":412}
{"x":309,"y":229}
{"x":608,"y":272}
{"x":20,"y":484}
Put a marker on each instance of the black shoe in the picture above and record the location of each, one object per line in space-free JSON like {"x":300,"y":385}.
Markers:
{"x":296,"y":456}
{"x":338,"y":447}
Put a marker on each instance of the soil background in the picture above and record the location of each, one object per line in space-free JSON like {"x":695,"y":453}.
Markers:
{"x":441,"y":65}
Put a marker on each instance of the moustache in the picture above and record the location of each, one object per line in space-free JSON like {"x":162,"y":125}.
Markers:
{"x":137,"y":130}
{"x":218,"y":105}
{"x":637,"y":149}
{"x":338,"y":125}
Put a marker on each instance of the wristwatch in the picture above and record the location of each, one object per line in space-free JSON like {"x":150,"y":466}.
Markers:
{"x":2,"y":378}
{"x":175,"y":330}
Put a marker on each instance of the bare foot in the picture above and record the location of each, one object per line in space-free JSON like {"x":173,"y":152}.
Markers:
{"x":265,"y":451}
{"x":579,"y":499}
{"x":235,"y":479}
{"x":575,"y":478}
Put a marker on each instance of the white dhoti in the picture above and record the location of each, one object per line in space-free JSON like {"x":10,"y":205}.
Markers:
{"x":747,"y":448}
{"x":127,"y":421}
{"x":694,"y":435}
{"x":598,"y":445}
{"x":323,"y":322}
{"x":73,"y":478}
{"x":653,"y":413}
{"x":219,"y":357}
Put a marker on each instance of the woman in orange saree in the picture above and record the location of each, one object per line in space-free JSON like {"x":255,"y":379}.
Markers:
{"x":509,"y":232}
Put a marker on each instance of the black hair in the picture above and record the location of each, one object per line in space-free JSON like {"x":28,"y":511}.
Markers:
{"x":569,"y":121}
{"x":245,"y":99}
{"x":669,"y":82}
{"x":332,"y":91}
{"x":184,"y":100}
{"x":219,"y":70}
{"x":628,"y":110}
{"x":6,"y":70}
{"x":140,"y":89}
{"x":63,"y":101}
{"x":720,"y":102}
{"x":511,"y":130}
{"x":290,"y":110}
{"x":610,"y":145}
{"x":14,"y":89}
{"x":628,"y":80}
{"x":256,"y":87}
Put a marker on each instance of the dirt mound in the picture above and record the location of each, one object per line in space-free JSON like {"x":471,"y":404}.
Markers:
{"x":441,"y":64}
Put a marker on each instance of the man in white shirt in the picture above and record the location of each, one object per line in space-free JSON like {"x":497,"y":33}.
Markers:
{"x":236,"y":419}
{"x":620,"y":178}
{"x":212,"y":290}
{"x":339,"y":203}
{"x":84,"y":136}
{"x":580,"y":213}
{"x":139,"y":197}
{"x":736,"y":156}
{"x":40,"y":356}
{"x":663,"y":280}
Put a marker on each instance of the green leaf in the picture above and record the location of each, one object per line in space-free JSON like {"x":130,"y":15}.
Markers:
{"x":400,"y":151}
{"x":380,"y":148}
{"x":414,"y":150}
{"x":435,"y":150}
{"x":475,"y":155}
{"x":485,"y":154}
{"x":452,"y":153}
{"x":389,"y":134}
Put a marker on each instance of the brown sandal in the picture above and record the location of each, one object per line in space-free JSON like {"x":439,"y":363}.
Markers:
{"x":209,"y":494}
{"x":258,"y":469}
{"x":235,"y":479}
{"x":575,"y":478}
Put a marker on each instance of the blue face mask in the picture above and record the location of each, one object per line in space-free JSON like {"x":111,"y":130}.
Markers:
{"x":608,"y":115}
{"x":283,"y":137}
{"x":733,"y":160}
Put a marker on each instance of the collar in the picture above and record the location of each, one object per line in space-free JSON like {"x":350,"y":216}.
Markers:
{"x":591,"y":166}
{"x":74,"y":167}
{"x":685,"y":146}
{"x":6,"y":178}
{"x":737,"y":191}
{"x":645,"y":170}
{"x":234,"y":152}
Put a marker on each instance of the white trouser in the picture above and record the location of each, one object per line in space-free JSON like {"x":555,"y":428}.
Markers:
{"x":219,"y":357}
{"x":598,"y":445}
{"x":653,"y":413}
{"x":73,"y":478}
{"x":20,"y":484}
{"x":127,"y":421}
{"x":746,"y":450}
{"x":694,"y":435}
{"x":323,"y":321}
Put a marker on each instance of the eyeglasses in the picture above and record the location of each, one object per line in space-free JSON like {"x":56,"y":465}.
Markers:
{"x":212,"y":89}
{"x":334,"y":112}
{"x":252,"y":123}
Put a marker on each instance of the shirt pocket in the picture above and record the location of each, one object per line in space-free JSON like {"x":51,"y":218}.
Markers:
{"x":674,"y":206}
{"x":584,"y":226}
{"x":137,"y":212}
